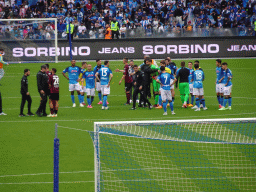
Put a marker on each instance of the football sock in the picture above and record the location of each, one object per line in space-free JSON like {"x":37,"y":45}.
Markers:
{"x":186,"y":97}
{"x":73,"y":98}
{"x":92,"y":98}
{"x":221,"y":100}
{"x":171,"y":106}
{"x":188,"y":101}
{"x":173,"y":99}
{"x":225,"y":102}
{"x":229,"y":101}
{"x":182,"y":98}
{"x":156,"y":99}
{"x":82,"y":98}
{"x":164,"y":106}
{"x":197,"y":102}
{"x":88,"y":100}
{"x":105,"y":100}
{"x":218,"y":98}
{"x":52,"y":111}
{"x":99,"y":94}
{"x":160,"y":100}
{"x":55,"y":111}
{"x":79,"y":98}
{"x":192,"y":99}
{"x":128,"y":96}
{"x":203,"y":102}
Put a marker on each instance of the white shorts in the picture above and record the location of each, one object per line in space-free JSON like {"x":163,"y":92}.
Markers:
{"x":166,"y":95}
{"x":191,"y":88}
{"x":74,"y":87}
{"x":172,"y":87}
{"x":90,"y":92}
{"x":105,"y":90}
{"x":98,"y":86}
{"x":1,"y":73}
{"x":82,"y":89}
{"x":198,"y":91}
{"x":227,"y":90}
{"x":220,"y":88}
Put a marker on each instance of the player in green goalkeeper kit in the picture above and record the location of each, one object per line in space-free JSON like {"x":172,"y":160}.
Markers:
{"x":156,"y":86}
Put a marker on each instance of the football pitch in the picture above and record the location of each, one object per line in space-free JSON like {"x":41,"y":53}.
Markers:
{"x":26,"y":143}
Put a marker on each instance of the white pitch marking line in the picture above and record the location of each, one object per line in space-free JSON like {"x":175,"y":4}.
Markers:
{"x":163,"y":118}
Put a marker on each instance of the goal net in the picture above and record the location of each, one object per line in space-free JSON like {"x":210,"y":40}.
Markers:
{"x":29,"y":40}
{"x":188,"y":155}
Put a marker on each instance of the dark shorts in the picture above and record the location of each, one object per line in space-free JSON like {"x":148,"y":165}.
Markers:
{"x":54,"y":96}
{"x":128,"y":86}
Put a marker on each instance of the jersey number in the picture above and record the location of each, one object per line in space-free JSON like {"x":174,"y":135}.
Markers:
{"x":199,"y":76}
{"x":104,"y":72}
{"x":56,"y":81}
{"x":166,"y":78}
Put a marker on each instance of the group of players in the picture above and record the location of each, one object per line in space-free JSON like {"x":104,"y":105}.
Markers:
{"x":138,"y":79}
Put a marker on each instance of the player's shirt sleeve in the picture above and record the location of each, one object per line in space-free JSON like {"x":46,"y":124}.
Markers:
{"x":65,"y":70}
{"x":229,"y":74}
{"x":2,"y":60}
{"x":126,"y":70}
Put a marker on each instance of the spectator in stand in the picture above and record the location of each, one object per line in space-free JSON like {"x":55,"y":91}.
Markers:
{"x":123,"y":31}
{"x":82,"y":35}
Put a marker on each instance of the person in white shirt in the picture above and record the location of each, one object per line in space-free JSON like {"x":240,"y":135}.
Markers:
{"x":81,"y":28}
{"x":123,"y":31}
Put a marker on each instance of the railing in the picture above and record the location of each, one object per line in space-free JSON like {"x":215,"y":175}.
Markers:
{"x":139,"y":33}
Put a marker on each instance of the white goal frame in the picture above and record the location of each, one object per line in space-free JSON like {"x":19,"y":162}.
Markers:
{"x":160,"y":122}
{"x":43,"y":19}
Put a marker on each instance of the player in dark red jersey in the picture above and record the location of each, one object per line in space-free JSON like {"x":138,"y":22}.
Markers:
{"x":128,"y":79}
{"x":54,"y":93}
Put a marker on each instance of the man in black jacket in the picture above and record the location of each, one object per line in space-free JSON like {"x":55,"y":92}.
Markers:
{"x":42,"y":85}
{"x":139,"y":83}
{"x":146,"y":79}
{"x":25,"y":94}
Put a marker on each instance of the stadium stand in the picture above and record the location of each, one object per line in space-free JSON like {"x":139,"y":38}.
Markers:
{"x":136,"y":18}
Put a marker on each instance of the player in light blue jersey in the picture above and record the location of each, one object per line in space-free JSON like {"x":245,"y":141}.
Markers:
{"x":90,"y":85}
{"x":172,"y":66}
{"x":226,"y":80}
{"x":98,"y":86}
{"x":82,"y":82}
{"x":165,"y":80}
{"x":104,"y":75}
{"x":190,"y":67}
{"x":198,"y":90}
{"x":73,"y":77}
{"x":219,"y":86}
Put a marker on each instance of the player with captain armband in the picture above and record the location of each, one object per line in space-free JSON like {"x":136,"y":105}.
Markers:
{"x":89,"y":77}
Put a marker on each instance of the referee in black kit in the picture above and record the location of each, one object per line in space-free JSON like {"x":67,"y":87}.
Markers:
{"x":42,"y":85}
{"x":25,"y":94}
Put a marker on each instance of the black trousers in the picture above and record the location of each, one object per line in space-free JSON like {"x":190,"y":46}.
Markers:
{"x":71,"y":37}
{"x":25,"y":98}
{"x":0,"y":103}
{"x":115,"y":33}
{"x":143,"y":96}
{"x":42,"y":106}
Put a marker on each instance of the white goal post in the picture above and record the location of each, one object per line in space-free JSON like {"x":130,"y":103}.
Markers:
{"x":7,"y":23}
{"x":175,"y":155}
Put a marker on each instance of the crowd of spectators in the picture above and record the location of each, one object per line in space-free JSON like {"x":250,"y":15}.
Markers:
{"x":150,"y":17}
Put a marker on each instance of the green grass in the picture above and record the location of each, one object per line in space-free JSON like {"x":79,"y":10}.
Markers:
{"x":26,"y":144}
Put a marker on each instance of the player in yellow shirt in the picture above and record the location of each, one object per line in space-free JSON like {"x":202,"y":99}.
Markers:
{"x":82,"y":82}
